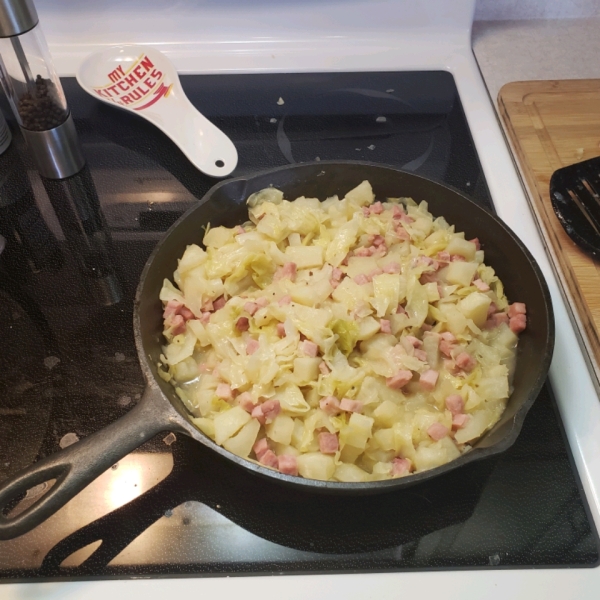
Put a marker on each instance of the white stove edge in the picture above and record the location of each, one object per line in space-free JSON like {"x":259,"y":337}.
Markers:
{"x":447,"y":49}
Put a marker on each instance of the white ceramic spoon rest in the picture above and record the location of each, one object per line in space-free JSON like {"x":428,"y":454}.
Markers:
{"x":143,"y":80}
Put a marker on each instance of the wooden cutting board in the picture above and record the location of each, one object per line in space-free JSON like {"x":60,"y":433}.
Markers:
{"x":553,"y":124}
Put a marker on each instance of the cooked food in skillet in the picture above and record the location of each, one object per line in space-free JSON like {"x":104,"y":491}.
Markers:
{"x":346,"y":340}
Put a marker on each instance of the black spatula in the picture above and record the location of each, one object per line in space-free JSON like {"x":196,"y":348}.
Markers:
{"x":575,"y":195}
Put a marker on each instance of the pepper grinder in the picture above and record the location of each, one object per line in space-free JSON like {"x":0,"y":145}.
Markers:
{"x":35,"y":93}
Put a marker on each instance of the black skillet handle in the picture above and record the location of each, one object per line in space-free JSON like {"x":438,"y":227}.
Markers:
{"x":79,"y":464}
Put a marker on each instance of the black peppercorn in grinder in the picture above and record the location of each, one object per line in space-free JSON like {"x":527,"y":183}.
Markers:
{"x":35,"y":93}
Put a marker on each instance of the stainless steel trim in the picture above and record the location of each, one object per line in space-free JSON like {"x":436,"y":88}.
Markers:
{"x":56,"y":152}
{"x":17,"y":17}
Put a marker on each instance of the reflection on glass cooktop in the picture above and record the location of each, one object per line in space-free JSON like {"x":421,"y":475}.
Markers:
{"x":75,"y":250}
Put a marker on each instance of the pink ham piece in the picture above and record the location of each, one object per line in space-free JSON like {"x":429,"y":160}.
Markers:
{"x":324,"y":368}
{"x":465,"y":362}
{"x":517,"y":308}
{"x":330,"y":405}
{"x":437,"y":431}
{"x":269,"y":459}
{"x":400,"y":310}
{"x":397,"y":212}
{"x":385,"y":326}
{"x":239,"y":230}
{"x":260,"y":447}
{"x":177,"y":308}
{"x":284,"y":300}
{"x":449,"y":337}
{"x":457,"y":258}
{"x":252,"y":346}
{"x":376,"y":208}
{"x":455,"y":404}
{"x":177,"y":325}
{"x":428,"y":379}
{"x":262,"y":301}
{"x":336,"y":277}
{"x":378,"y":240}
{"x":364,"y":251}
{"x":399,"y":380}
{"x":413,"y":341}
{"x":246,"y":401}
{"x":459,"y":421}
{"x":309,"y":348}
{"x":392,"y":268}
{"x":219,"y":303}
{"x":270,"y":409}
{"x":361,"y":279}
{"x":288,"y":271}
{"x":208,"y":306}
{"x":280,"y":329}
{"x":420,"y":355}
{"x":518,"y":323}
{"x":429,"y":277}
{"x":365,"y":211}
{"x":443,"y":256}
{"x":476,"y":242}
{"x":250,"y":307}
{"x":401,"y":466}
{"x":205,"y":318}
{"x":288,"y":464}
{"x":257,"y":414}
{"x":402,"y":233}
{"x":242,"y":324}
{"x":351,"y":405}
{"x":482,"y":286}
{"x":496,"y":319}
{"x":491,"y":309}
{"x":328,"y":443}
{"x":224,"y":391}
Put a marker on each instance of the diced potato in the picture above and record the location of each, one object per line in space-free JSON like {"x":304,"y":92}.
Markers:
{"x":242,"y":443}
{"x":314,"y":465}
{"x":367,"y":328}
{"x":281,"y":429}
{"x":349,"y":453}
{"x":297,"y":433}
{"x":228,"y":423}
{"x":305,"y":257}
{"x":493,"y":388}
{"x":186,"y":370}
{"x":403,"y":439}
{"x":358,"y":265}
{"x":218,"y":237}
{"x":358,"y":431}
{"x":382,"y":470}
{"x":459,"y":245}
{"x":433,"y":294}
{"x":385,"y":439}
{"x":473,"y":399}
{"x":387,"y":413}
{"x":475,"y":426}
{"x":436,"y":454}
{"x":475,"y":307}
{"x":283,"y":449}
{"x":461,"y":273}
{"x":306,"y":369}
{"x":455,"y":320}
{"x":350,"y":473}
{"x":206,"y":426}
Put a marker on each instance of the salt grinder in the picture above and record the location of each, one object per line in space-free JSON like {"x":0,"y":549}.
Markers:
{"x":35,"y":93}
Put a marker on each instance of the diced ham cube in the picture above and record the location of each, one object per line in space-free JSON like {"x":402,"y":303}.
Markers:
{"x":378,"y":240}
{"x":401,"y":466}
{"x":518,"y":323}
{"x":309,"y":348}
{"x":397,"y":211}
{"x":365,"y":211}
{"x":450,"y":366}
{"x":459,"y":421}
{"x":242,"y":324}
{"x":280,"y":329}
{"x":413,"y":341}
{"x":288,"y":464}
{"x":262,"y":301}
{"x":219,"y":303}
{"x":376,"y":208}
{"x":171,"y":309}
{"x":328,"y":442}
{"x":437,"y":431}
{"x":449,"y":337}
{"x":517,"y":308}
{"x":385,"y":326}
{"x":177,"y":325}
{"x":402,"y":233}
{"x":457,"y":258}
{"x":260,"y":447}
{"x":400,"y":310}
{"x":392,"y":268}
{"x":246,"y":401}
{"x":284,"y":300}
{"x":270,"y":409}
{"x":428,"y":379}
{"x":465,"y":361}
{"x":324,"y":368}
{"x":252,"y":346}
{"x":269,"y":459}
{"x":361,"y":279}
{"x":476,"y":242}
{"x":482,"y":286}
{"x":336,"y":277}
{"x":351,"y":405}
{"x":257,"y":413}
{"x":428,"y":277}
{"x":406,"y":219}
{"x":426,"y":327}
{"x":205,"y":318}
{"x":498,"y":318}
{"x":224,"y":391}
{"x":364,"y":251}
{"x":400,"y":379}
{"x":330,"y":405}
{"x":288,"y":271}
{"x":420,"y":355}
{"x":443,"y":256}
{"x":250,"y":307}
{"x":455,"y":404}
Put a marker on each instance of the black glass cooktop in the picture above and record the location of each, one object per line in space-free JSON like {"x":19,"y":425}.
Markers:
{"x":74,"y":253}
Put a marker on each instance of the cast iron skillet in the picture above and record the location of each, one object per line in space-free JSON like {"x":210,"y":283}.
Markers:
{"x":161,"y":410}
